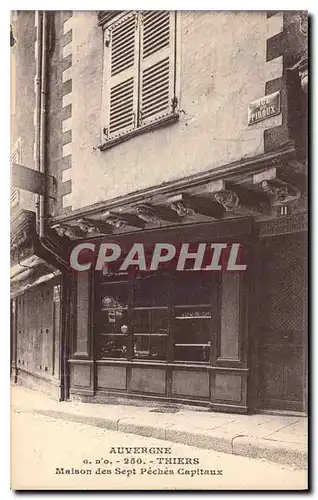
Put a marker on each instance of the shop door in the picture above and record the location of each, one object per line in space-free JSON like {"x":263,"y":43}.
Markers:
{"x":283,"y":329}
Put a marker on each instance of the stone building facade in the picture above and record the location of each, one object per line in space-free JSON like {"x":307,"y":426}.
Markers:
{"x":155,"y":127}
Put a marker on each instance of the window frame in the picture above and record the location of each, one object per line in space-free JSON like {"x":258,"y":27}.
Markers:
{"x":171,"y":308}
{"x":15,"y":157}
{"x":138,"y":128}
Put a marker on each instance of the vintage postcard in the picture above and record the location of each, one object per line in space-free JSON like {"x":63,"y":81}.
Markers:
{"x":159,"y":167}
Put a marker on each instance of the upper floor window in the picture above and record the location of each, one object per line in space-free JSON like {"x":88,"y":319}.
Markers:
{"x":139,"y":72}
{"x":15,"y":157}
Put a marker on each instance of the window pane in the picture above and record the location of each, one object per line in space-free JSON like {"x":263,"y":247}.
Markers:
{"x":150,"y":338}
{"x":192,"y":353}
{"x":190,"y":330}
{"x":150,"y":347}
{"x":111,"y":272}
{"x":151,"y":321}
{"x":151,"y":290}
{"x":112,"y":346}
{"x":192,"y":333}
{"x":113,"y":321}
{"x":113,"y":295}
{"x":193,"y":287}
{"x":141,"y":321}
{"x":159,"y":321}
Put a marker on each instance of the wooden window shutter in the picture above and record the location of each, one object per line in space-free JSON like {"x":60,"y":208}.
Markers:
{"x":157,"y":66}
{"x":122,"y":42}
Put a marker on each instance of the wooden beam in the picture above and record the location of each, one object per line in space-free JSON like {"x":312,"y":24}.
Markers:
{"x":155,"y":213}
{"x":164,"y":212}
{"x":186,"y":205}
{"x":289,"y":174}
{"x":71,"y":232}
{"x":92,"y":226}
{"x":249,"y":197}
{"x":119,"y":220}
{"x":274,"y":183}
{"x":281,"y":193}
{"x":180,"y":203}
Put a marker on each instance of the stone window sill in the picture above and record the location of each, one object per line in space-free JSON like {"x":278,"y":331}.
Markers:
{"x":147,"y":128}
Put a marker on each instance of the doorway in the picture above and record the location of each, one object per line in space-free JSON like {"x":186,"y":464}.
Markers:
{"x":283,"y":324}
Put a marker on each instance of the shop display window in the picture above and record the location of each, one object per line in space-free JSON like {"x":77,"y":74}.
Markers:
{"x":112,"y":318}
{"x":158,"y":316}
{"x":194,"y":296}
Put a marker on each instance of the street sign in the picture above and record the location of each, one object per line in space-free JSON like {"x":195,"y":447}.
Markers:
{"x":264,"y":108}
{"x":31,"y":180}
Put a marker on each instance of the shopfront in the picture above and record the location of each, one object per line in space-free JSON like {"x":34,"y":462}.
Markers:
{"x":165,"y":323}
{"x":228,"y":340}
{"x":168,"y":335}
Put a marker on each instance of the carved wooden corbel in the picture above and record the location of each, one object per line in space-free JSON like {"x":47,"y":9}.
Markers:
{"x":282,"y":193}
{"x":147,"y":213}
{"x":87,"y":227}
{"x":60,"y":230}
{"x":92,"y":227}
{"x":220,"y":195}
{"x":181,"y":205}
{"x":118,"y":220}
{"x":182,"y":208}
{"x":228,"y":199}
{"x":121,"y":219}
{"x":186,"y":205}
{"x":71,"y":232}
{"x":282,"y":186}
{"x":113,"y":220}
{"x":161,"y":211}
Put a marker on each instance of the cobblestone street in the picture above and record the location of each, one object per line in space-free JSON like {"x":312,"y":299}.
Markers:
{"x":58,"y":454}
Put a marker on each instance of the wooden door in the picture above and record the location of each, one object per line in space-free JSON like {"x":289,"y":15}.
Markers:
{"x":283,"y":325}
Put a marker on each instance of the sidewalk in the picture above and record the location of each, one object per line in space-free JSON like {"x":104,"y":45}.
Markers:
{"x":279,"y":439}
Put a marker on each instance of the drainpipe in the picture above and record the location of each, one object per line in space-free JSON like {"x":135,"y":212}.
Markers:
{"x":38,"y":17}
{"x":41,"y":110}
{"x":43,"y":101}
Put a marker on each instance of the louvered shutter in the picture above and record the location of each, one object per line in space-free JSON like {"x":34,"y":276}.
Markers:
{"x":121,"y":79}
{"x":15,"y":157}
{"x":157,"y":66}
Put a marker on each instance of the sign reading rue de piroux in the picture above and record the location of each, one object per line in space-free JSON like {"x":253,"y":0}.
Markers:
{"x":264,"y":108}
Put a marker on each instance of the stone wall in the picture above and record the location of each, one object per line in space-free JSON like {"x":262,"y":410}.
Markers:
{"x":222,"y":65}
